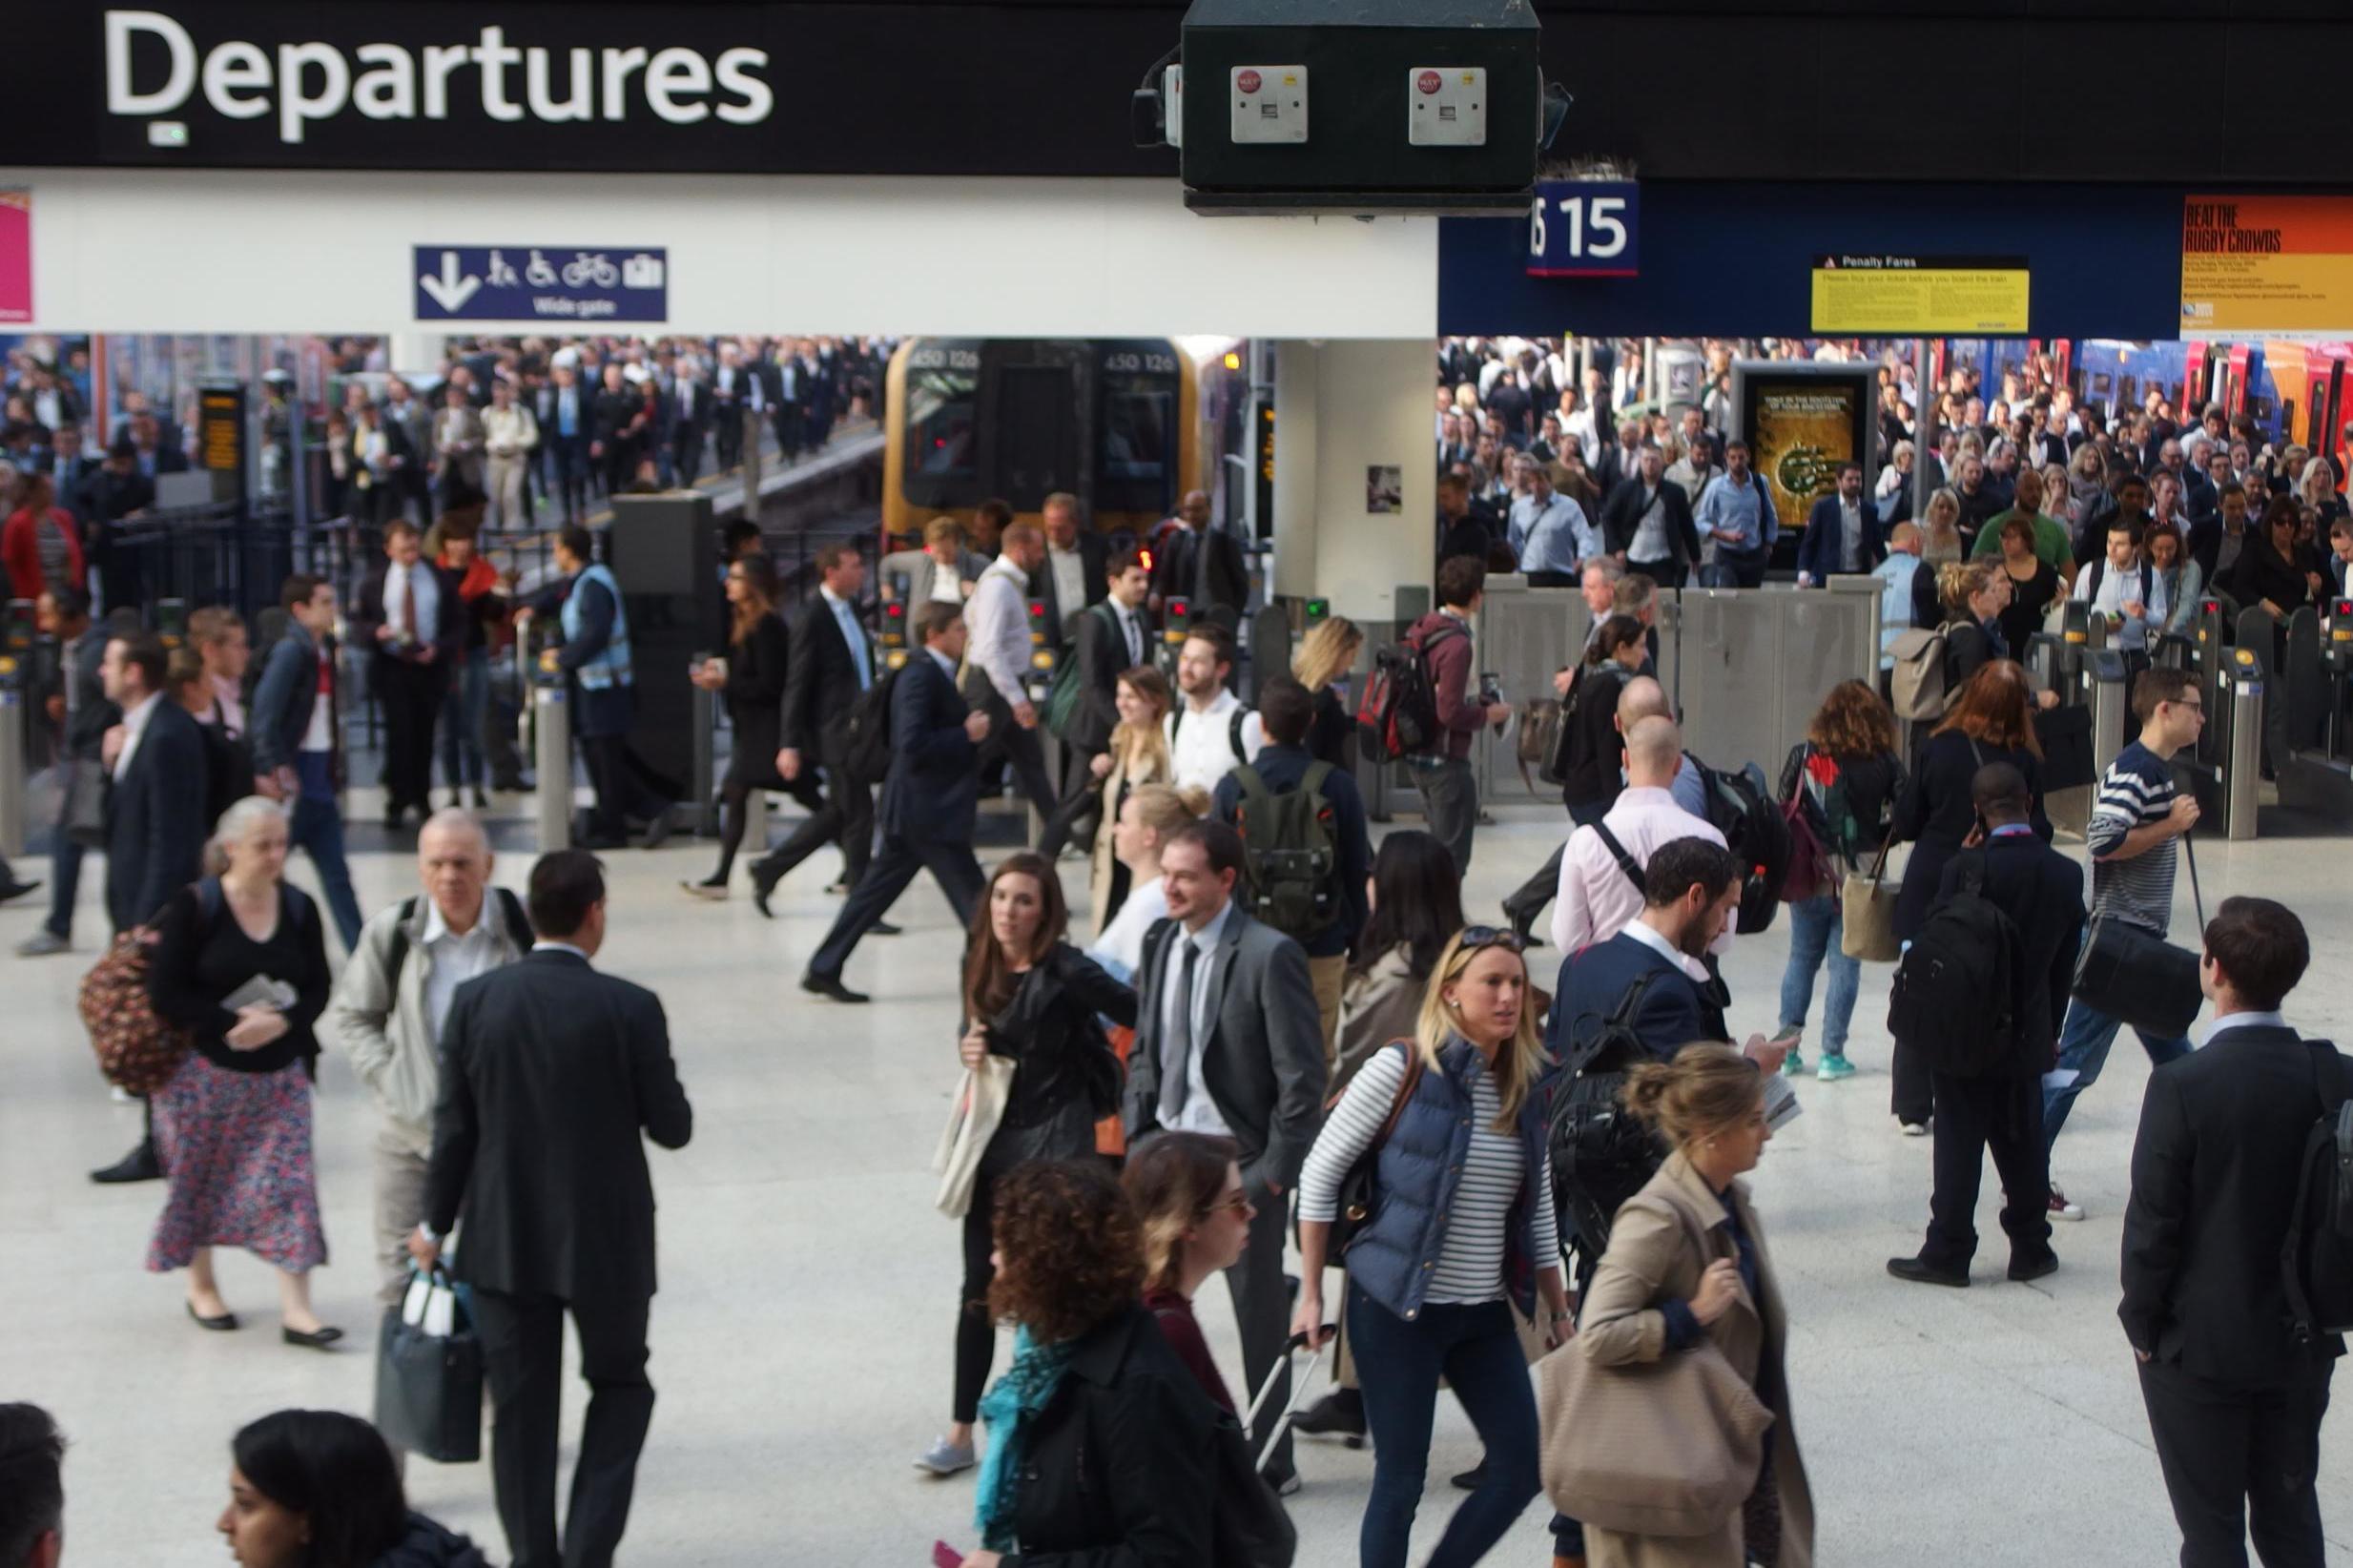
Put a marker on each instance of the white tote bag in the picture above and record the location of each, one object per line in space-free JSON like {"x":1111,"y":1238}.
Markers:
{"x":979,"y":1106}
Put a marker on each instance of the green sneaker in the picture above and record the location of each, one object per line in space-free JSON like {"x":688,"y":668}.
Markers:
{"x":1833,"y":1068}
{"x":1795,"y":1063}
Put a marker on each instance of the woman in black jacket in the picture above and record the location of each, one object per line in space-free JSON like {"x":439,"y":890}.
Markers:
{"x":1593,"y":748}
{"x":751,"y":680}
{"x":320,"y":1489}
{"x":1032,"y":997}
{"x":1992,"y":722}
{"x":2265,"y":572}
{"x":1101,"y":1445}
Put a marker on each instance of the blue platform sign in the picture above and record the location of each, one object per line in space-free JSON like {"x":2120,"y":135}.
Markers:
{"x":540,"y":283}
{"x":1585,"y":228}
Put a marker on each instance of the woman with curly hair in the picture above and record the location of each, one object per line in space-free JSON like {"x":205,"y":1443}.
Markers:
{"x":1101,"y":1440}
{"x":1196,"y":1216}
{"x":1847,"y":777}
{"x":1031,"y":997}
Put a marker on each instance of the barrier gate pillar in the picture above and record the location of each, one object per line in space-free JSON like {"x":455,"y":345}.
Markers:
{"x":12,"y":755}
{"x":2111,"y":704}
{"x":2242,"y":777}
{"x":551,"y":734}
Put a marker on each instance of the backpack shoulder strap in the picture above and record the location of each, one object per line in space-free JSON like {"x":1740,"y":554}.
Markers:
{"x":1233,"y":731}
{"x":1255,"y":795}
{"x":2331,"y":1084}
{"x":396,"y":954}
{"x":1618,"y":851}
{"x":1312,"y":783}
{"x":1620,"y":1017}
{"x":1973,"y":873}
{"x":2328,"y":1074}
{"x":517,"y":920}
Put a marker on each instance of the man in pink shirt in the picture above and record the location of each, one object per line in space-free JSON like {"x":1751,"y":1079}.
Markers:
{"x":1600,"y":873}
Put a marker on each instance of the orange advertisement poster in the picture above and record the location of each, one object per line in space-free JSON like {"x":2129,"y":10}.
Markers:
{"x":2267,"y":263}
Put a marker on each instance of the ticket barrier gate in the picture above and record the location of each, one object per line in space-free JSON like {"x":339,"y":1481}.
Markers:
{"x":551,"y":736}
{"x":15,"y":722}
{"x":2243,"y":775}
{"x":2315,"y":776}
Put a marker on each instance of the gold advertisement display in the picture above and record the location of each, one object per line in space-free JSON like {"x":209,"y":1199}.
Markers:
{"x":1801,"y":421}
{"x":1920,"y":296}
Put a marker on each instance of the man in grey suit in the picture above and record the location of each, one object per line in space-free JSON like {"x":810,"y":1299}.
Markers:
{"x":1228,"y":1042}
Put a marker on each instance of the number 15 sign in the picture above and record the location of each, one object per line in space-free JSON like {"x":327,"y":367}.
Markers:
{"x":1585,"y":228}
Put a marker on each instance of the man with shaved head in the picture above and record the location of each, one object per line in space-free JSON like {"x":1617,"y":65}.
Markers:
{"x":1600,"y":868}
{"x":389,"y":1006}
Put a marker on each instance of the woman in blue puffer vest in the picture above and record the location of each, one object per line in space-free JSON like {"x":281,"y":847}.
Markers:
{"x":1461,"y":1231}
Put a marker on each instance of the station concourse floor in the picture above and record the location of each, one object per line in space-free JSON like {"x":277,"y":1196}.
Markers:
{"x":802,"y":1337}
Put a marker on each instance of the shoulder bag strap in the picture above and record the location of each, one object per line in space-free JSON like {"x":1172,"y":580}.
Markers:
{"x":2323,"y":1058}
{"x":1625,"y":862}
{"x":1407,"y":1084}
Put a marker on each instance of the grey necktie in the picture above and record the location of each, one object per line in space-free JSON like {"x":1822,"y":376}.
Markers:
{"x":1177,"y":1066}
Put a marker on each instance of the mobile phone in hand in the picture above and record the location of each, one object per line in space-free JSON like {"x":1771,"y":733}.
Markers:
{"x":944,"y":1555}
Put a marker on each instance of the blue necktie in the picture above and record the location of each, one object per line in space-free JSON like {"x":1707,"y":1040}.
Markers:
{"x":855,"y":635}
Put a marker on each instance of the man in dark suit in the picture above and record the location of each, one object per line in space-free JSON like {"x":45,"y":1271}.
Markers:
{"x":830,"y":666}
{"x":931,"y":800}
{"x":1646,"y":523}
{"x":685,"y":411}
{"x":617,"y":433}
{"x":1228,"y":1042}
{"x":1691,"y":890}
{"x":2042,"y":892}
{"x":1842,"y":533}
{"x":1464,"y":530}
{"x":155,"y":818}
{"x":1112,"y":639}
{"x":567,"y":419}
{"x":1202,"y":564}
{"x":73,"y":699}
{"x":70,"y":464}
{"x":550,"y":1072}
{"x":1623,"y":458}
{"x":410,"y":619}
{"x":297,"y":725}
{"x":784,"y":391}
{"x":2235,"y":1389}
{"x":1075,"y":572}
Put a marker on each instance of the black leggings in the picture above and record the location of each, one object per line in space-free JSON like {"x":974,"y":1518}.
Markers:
{"x":976,"y":1332}
{"x":734,"y":806}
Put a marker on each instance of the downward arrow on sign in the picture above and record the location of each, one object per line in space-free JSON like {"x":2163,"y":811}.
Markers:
{"x":450,"y":290}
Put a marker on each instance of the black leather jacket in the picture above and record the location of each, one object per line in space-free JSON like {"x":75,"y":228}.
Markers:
{"x":1049,"y":1029}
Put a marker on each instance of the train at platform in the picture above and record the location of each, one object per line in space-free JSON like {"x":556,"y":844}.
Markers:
{"x":2295,"y":390}
{"x":1126,"y":424}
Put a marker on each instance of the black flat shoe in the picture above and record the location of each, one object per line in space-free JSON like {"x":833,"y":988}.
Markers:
{"x":657,"y":832}
{"x":1920,"y":1272}
{"x":2024,"y":1269}
{"x":1339,"y":1413}
{"x":318,"y":1339}
{"x":16,"y":890}
{"x":140,"y":1164}
{"x":830,"y":985}
{"x":225,"y":1323}
{"x":1472,"y":1478}
{"x":763,"y":887}
{"x":883,"y":928}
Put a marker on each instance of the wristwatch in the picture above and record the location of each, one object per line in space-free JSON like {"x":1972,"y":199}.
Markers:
{"x":425,"y":1230}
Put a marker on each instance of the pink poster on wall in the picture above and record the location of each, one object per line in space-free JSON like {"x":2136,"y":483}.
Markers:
{"x":15,"y":256}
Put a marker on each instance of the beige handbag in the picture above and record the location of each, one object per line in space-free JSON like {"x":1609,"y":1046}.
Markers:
{"x":979,"y":1106}
{"x":1670,"y":1447}
{"x":1866,"y":909}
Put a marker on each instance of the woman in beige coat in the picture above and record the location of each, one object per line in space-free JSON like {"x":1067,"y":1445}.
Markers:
{"x":1687,"y":1260}
{"x":1138,"y":754}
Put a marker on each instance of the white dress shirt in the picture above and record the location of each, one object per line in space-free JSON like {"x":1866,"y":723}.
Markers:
{"x":997,"y":618}
{"x":402,"y":581}
{"x":1069,"y":570}
{"x":455,"y":958}
{"x":1200,"y":1112}
{"x":1659,"y":945}
{"x":1201,"y":748}
{"x":134,"y":728}
{"x":2274,"y":1020}
{"x":1597,"y":900}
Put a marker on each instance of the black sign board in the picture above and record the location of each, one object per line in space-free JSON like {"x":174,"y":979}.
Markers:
{"x":220,"y":434}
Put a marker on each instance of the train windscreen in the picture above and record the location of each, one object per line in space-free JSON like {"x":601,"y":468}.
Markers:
{"x":940,"y":424}
{"x":1036,"y":434}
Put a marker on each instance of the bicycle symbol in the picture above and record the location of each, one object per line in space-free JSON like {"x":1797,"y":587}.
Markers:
{"x":588,"y":267}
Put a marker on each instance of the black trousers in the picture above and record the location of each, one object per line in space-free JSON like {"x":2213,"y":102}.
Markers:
{"x":1080,"y":805}
{"x":570,"y":457}
{"x":685,"y":453}
{"x":1023,"y":750}
{"x":727,"y":434}
{"x":952,"y":865}
{"x":2002,"y":1113}
{"x":618,"y":466}
{"x":522,"y":1362}
{"x":619,"y":794}
{"x":1914,"y":1096}
{"x":1262,"y":1309}
{"x":847,"y":818}
{"x":409,"y":696}
{"x":791,"y":429}
{"x":975,"y":1330}
{"x":1528,"y":900}
{"x":1667,"y":575}
{"x":2240,"y":1461}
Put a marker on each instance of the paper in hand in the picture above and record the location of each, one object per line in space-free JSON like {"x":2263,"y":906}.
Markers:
{"x":1781,"y":1103}
{"x":260,"y":991}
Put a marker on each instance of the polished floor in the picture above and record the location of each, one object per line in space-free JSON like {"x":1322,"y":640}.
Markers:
{"x":802,"y":1339}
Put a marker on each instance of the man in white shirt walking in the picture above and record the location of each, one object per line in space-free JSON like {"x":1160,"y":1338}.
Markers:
{"x":1601,"y":889}
{"x":997,"y":662}
{"x":1209,"y":733}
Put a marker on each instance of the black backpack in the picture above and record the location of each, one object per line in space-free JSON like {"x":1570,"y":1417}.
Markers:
{"x":511,"y":911}
{"x":866,"y":755}
{"x":1601,"y":1153}
{"x":1743,"y":808}
{"x":1954,"y":999}
{"x":1399,"y":716}
{"x":1290,"y":857}
{"x":2316,"y":1259}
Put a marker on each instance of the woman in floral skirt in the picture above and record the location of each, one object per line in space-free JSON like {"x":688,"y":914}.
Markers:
{"x":233,"y":1125}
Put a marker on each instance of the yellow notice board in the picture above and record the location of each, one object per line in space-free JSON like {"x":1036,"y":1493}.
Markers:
{"x":1920,"y":296}
{"x":2267,"y":264}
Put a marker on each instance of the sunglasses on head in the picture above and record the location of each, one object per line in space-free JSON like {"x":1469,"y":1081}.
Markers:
{"x":1476,"y":937}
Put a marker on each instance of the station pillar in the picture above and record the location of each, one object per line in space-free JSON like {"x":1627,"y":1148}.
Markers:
{"x":1355,"y":491}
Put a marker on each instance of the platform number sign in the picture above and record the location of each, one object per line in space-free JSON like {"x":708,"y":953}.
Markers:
{"x":1585,"y":228}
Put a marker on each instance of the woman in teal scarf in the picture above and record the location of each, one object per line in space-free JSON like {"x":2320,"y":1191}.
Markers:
{"x":1099,"y":1435}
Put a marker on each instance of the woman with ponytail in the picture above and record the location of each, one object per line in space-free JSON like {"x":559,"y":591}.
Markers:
{"x":1195,"y":1214}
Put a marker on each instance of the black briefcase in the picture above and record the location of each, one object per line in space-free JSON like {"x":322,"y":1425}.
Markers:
{"x":2137,"y":975}
{"x":428,"y":1388}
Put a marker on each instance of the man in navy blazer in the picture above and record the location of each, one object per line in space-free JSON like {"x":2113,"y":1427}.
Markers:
{"x":1690,"y":889}
{"x":930,"y":800}
{"x":2236,"y":1387}
{"x":1826,"y":548}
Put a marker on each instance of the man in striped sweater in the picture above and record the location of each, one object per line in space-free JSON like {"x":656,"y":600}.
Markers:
{"x":2135,"y":827}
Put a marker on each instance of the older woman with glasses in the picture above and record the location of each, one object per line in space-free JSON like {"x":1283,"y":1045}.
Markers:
{"x":1463,"y":1231}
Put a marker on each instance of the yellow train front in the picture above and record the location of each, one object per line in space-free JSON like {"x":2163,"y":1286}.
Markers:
{"x":1126,"y":424}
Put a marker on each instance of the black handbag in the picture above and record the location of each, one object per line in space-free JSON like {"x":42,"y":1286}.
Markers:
{"x":2066,"y":737}
{"x":2136,"y":976}
{"x":1360,"y":1186}
{"x":428,"y":1385}
{"x":1250,"y":1528}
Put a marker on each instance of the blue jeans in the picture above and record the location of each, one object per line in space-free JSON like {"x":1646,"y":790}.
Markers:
{"x":1816,"y":927}
{"x":2083,"y":1046}
{"x":318,"y":827}
{"x":1477,"y":1351}
{"x":462,"y":720}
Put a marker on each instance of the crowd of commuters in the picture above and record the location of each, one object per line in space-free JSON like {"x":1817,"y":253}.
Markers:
{"x":1271,"y":1008}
